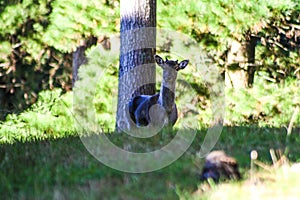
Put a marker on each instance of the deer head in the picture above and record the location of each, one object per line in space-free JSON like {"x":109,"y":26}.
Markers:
{"x":170,"y":63}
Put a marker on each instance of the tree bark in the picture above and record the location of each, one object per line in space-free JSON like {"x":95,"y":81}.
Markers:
{"x":138,"y":42}
{"x":240,"y":64}
{"x":79,"y":57}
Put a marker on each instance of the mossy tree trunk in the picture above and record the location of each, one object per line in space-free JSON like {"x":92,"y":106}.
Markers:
{"x":240,"y":64}
{"x":137,"y":50}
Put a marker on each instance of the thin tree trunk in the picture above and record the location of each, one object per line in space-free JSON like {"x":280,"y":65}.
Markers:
{"x":240,"y":64}
{"x":138,"y":42}
{"x":79,"y":57}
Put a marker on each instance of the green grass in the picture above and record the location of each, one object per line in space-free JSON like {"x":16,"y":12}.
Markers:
{"x":280,"y":183}
{"x":42,"y":157}
{"x":63,"y":169}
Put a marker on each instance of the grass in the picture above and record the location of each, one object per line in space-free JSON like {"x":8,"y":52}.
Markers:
{"x":278,"y":184}
{"x":63,"y":169}
{"x":42,"y":157}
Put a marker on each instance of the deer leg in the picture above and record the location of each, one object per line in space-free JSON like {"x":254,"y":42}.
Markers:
{"x":173,"y":116}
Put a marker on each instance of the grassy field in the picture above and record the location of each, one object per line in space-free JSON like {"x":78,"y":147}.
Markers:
{"x":42,"y":157}
{"x":63,"y":169}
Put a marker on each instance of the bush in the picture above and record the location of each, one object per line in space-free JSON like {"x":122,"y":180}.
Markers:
{"x":50,"y":117}
{"x":266,"y":104}
{"x":96,"y":90}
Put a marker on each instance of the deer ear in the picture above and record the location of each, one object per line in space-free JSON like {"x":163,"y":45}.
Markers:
{"x":183,"y":64}
{"x":158,"y":60}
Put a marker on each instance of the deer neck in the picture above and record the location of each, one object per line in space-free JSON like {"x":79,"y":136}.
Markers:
{"x":167,"y":90}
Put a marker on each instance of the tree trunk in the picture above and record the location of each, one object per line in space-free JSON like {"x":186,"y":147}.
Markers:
{"x":79,"y":57}
{"x":240,"y":64}
{"x":138,"y":42}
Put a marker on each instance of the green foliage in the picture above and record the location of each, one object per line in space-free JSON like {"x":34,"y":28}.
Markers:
{"x":36,"y":39}
{"x":223,"y":19}
{"x":33,"y":39}
{"x":71,"y":22}
{"x":53,"y":115}
{"x":96,"y":90}
{"x":278,"y":64}
{"x":50,"y":117}
{"x":266,"y":104}
{"x":27,"y":64}
{"x":214,"y":24}
{"x":279,"y":48}
{"x":23,"y":25}
{"x":172,"y":15}
{"x":36,"y":34}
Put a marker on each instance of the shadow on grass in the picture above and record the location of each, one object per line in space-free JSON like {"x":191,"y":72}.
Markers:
{"x":63,"y":169}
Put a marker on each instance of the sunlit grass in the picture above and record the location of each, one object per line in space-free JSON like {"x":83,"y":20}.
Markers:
{"x":281,"y":183}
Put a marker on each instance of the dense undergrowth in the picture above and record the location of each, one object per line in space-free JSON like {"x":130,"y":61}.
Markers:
{"x":264,"y":105}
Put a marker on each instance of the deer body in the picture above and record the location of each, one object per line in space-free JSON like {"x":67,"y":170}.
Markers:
{"x":140,"y":105}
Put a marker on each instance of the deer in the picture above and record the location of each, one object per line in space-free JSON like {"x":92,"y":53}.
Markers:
{"x":140,"y":105}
